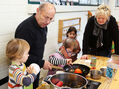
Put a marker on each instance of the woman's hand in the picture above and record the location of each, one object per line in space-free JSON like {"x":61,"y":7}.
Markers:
{"x":84,"y":57}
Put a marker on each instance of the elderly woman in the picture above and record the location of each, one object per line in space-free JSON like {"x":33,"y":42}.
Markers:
{"x":100,"y":31}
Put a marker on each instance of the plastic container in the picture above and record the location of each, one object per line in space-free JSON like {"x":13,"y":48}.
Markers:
{"x":95,"y":74}
{"x":111,"y":68}
{"x":103,"y":70}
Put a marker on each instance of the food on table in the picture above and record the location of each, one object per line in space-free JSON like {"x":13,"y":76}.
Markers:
{"x":55,"y":80}
{"x":59,"y":84}
{"x":78,"y":71}
{"x":72,"y":85}
{"x":93,"y":67}
{"x":36,"y":67}
{"x":71,"y":70}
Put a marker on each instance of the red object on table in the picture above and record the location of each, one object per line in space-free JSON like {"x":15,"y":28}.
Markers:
{"x":78,"y":71}
{"x":59,"y":84}
{"x":93,"y":67}
{"x":55,"y":80}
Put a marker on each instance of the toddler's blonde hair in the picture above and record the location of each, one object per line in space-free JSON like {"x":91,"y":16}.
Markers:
{"x":16,"y":48}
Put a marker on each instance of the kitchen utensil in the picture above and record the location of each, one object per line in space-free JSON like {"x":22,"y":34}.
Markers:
{"x":85,"y":69}
{"x":93,"y":84}
{"x":70,"y":81}
{"x":57,"y":67}
{"x":103,"y":70}
{"x":95,"y":74}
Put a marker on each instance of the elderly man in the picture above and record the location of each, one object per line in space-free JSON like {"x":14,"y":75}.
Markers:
{"x":34,"y":31}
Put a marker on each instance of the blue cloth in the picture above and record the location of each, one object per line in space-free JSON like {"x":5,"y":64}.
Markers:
{"x":109,"y":72}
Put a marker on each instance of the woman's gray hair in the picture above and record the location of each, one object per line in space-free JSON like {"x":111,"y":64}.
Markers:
{"x":103,"y":10}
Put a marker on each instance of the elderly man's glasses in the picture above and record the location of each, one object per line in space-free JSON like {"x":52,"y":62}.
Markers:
{"x":46,"y":17}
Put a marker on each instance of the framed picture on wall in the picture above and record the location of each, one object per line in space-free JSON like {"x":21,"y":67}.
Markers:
{"x":64,"y":25}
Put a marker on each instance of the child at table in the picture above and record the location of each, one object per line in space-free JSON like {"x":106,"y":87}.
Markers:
{"x":17,"y":51}
{"x":62,"y":57}
{"x":72,"y":33}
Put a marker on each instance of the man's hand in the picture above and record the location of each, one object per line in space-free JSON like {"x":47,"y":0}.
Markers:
{"x":47,"y":65}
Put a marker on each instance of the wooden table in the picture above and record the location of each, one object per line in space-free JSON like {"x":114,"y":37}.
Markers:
{"x":106,"y":83}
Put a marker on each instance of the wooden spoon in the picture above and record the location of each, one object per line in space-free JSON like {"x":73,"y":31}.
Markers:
{"x":57,"y":67}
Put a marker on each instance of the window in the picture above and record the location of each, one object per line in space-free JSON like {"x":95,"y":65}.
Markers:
{"x":69,"y":2}
{"x":92,"y":2}
{"x":117,"y":3}
{"x":89,"y":2}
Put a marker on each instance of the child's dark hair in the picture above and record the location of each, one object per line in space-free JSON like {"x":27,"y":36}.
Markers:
{"x":70,"y":30}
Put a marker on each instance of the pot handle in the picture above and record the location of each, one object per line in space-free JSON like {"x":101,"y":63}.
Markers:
{"x":47,"y":79}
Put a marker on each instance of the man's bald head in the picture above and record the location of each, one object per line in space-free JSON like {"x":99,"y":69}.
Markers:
{"x":46,"y":6}
{"x":45,"y":14}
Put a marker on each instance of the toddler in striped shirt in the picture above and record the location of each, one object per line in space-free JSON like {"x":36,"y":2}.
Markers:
{"x":19,"y":77}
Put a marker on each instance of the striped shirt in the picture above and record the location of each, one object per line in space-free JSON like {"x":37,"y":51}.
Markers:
{"x":18,"y":77}
{"x":57,"y":59}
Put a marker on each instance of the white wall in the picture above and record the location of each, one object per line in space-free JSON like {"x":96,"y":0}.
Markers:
{"x":13,"y":12}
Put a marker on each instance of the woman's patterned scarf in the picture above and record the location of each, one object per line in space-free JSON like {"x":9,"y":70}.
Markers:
{"x":98,"y":31}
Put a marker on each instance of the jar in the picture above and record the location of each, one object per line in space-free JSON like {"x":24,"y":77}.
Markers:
{"x":93,"y":63}
{"x":95,"y":74}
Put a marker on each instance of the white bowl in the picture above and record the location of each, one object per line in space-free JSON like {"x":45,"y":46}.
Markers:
{"x":36,"y":67}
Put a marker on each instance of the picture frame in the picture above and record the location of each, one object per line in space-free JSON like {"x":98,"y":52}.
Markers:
{"x":64,"y":25}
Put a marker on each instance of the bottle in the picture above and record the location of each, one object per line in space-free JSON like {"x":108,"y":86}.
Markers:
{"x":93,"y":63}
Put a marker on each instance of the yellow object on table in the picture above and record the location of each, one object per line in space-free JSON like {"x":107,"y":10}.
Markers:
{"x":44,"y":86}
{"x":106,"y":83}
